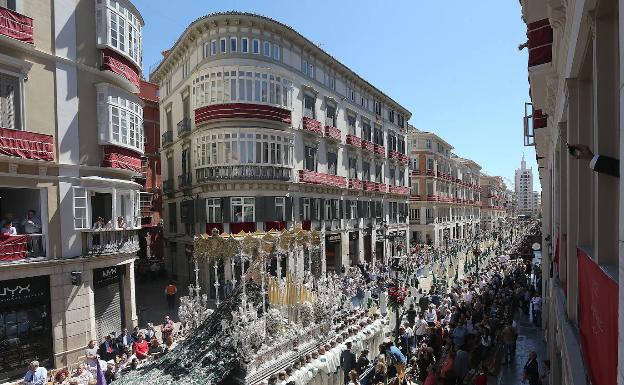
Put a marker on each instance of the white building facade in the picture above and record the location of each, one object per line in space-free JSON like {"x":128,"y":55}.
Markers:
{"x":264,"y":130}
{"x":525,"y":196}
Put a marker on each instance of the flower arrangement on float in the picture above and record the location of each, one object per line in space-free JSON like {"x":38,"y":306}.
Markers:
{"x":396,"y":296}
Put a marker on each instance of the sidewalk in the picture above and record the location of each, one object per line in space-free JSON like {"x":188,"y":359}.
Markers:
{"x":530,"y":338}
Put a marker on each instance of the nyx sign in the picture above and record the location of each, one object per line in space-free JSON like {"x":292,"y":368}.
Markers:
{"x":24,"y":290}
{"x":108,"y":275}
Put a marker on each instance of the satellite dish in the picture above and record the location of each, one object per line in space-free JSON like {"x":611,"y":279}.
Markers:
{"x":536,"y":246}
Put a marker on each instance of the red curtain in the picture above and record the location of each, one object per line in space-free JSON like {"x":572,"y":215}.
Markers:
{"x":17,"y":26}
{"x":118,"y":64}
{"x":598,"y":320}
{"x":118,"y":157}
{"x":13,"y":247}
{"x":247,"y":227}
{"x":27,"y":145}
{"x":275,"y":225}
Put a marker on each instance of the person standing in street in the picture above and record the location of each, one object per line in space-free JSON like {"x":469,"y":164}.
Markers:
{"x":347,"y":361}
{"x":170,"y":292}
{"x":531,"y":370}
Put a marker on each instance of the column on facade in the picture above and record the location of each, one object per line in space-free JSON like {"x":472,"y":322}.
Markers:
{"x":573,"y":218}
{"x":605,"y":78}
{"x":345,"y":257}
{"x":562,"y":155}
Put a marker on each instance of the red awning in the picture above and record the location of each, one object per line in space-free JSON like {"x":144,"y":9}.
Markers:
{"x":13,"y":247}
{"x":118,"y":64}
{"x":15,"y":25}
{"x":118,"y":157}
{"x":27,"y":145}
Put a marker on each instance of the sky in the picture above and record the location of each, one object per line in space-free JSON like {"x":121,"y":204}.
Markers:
{"x":454,"y":64}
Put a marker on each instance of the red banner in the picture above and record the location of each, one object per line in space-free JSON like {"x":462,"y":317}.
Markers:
{"x":13,"y":247}
{"x":118,"y":157}
{"x":120,"y":65}
{"x":17,"y":26}
{"x":27,"y":145}
{"x":598,"y":320}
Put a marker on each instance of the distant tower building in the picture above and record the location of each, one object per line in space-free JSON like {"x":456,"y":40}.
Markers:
{"x":525,"y":196}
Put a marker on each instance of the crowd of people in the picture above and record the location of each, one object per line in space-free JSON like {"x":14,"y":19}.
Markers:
{"x":116,"y":354}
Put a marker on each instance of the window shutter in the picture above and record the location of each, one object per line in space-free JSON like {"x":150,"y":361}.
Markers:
{"x":225,"y":210}
{"x":9,"y":102}
{"x":345,"y":208}
{"x":288,"y":215}
{"x":200,"y":210}
{"x":320,"y":203}
{"x":378,"y":210}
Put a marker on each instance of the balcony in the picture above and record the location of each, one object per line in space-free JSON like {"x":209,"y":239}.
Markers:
{"x":355,"y":184}
{"x":168,"y":185}
{"x":415,"y":172}
{"x":370,"y":186}
{"x":382,"y":187}
{"x":16,"y":26}
{"x":397,"y":156}
{"x":354,"y":141}
{"x":242,"y":111}
{"x":400,"y":190}
{"x":26,"y":145}
{"x":430,"y":173}
{"x":312,"y":125}
{"x":109,"y":242}
{"x":379,"y":150}
{"x":184,"y":127}
{"x":167,"y":138}
{"x":18,"y":247}
{"x":368,"y":146}
{"x":243,"y":172}
{"x":313,"y":177}
{"x":333,"y":133}
{"x":185,"y":180}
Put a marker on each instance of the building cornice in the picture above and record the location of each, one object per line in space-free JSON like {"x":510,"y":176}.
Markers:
{"x":188,"y":39}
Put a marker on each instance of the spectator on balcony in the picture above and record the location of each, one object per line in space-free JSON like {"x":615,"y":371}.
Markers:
{"x":99,"y":224}
{"x":8,"y":217}
{"x":599,"y":163}
{"x":121,"y":223}
{"x":8,"y":229}
{"x":31,"y":225}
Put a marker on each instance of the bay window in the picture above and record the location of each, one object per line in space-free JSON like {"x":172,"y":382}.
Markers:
{"x":242,"y":209}
{"x":120,"y":118}
{"x":119,"y":26}
{"x":218,"y":85}
{"x":243,"y":146}
{"x":105,"y":208}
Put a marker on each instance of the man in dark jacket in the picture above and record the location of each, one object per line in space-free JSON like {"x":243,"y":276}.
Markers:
{"x":600,"y":163}
{"x":531,"y":369}
{"x":347,"y":361}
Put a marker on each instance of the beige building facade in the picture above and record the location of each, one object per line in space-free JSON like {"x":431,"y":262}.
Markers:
{"x":71,"y":139}
{"x":264,"y":130}
{"x":445,"y":201}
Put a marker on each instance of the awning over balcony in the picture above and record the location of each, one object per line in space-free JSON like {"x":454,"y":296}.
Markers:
{"x":118,"y":157}
{"x":27,"y":145}
{"x":17,"y":26}
{"x":112,"y":61}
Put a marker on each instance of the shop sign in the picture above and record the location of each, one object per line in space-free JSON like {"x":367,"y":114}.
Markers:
{"x":106,"y":276}
{"x":333,"y":238}
{"x":24,"y":290}
{"x":353,"y":236}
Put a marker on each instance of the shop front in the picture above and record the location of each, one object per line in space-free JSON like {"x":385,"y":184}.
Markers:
{"x":379,"y":246}
{"x":25,"y":325}
{"x":368,"y":253}
{"x":333,"y":255}
{"x":108,"y":299}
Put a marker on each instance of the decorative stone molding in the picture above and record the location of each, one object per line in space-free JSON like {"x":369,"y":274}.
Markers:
{"x":12,"y":168}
